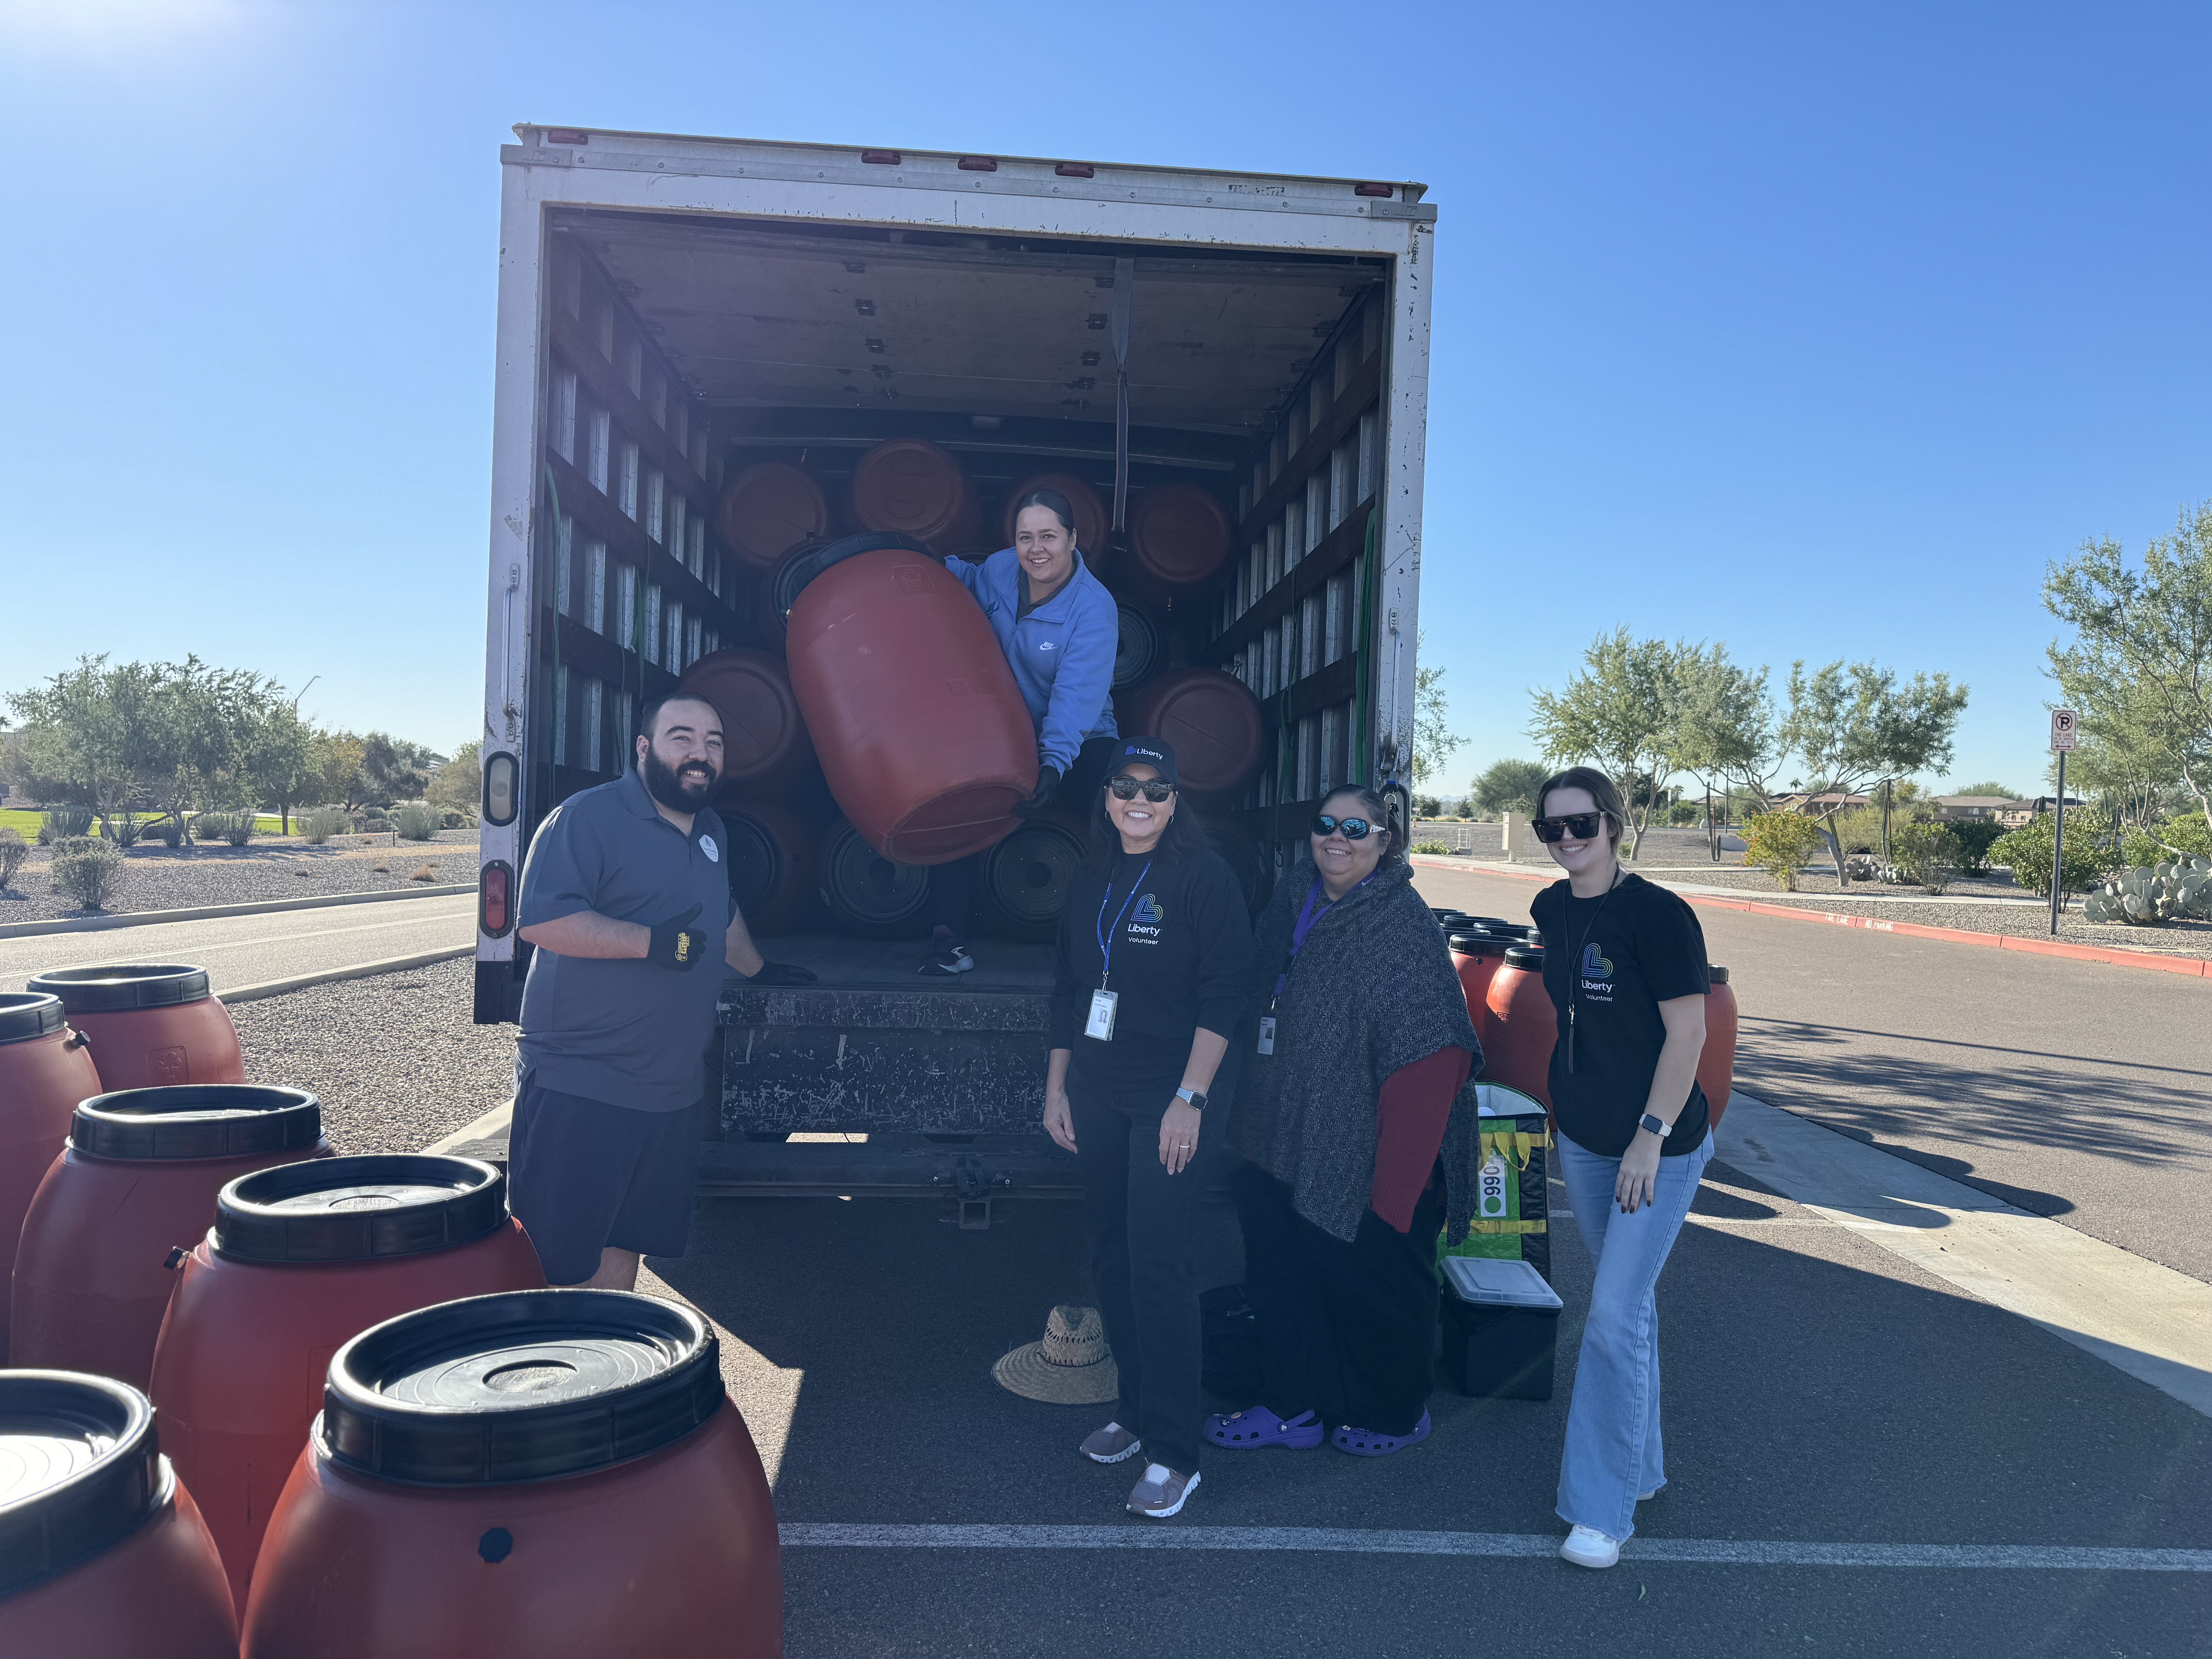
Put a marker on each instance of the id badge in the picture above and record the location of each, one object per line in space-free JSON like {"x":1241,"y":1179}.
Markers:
{"x":1101,"y":1024}
{"x":1266,"y":1034}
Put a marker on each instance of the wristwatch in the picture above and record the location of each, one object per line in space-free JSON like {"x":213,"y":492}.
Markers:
{"x":1191,"y":1097}
{"x":1652,"y":1121}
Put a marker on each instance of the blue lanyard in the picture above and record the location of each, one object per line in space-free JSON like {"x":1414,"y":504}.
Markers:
{"x":1105,"y":938}
{"x":1307,"y":917}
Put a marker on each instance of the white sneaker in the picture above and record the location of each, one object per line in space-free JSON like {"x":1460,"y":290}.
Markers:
{"x":1646,"y":1497}
{"x":1586,"y":1546}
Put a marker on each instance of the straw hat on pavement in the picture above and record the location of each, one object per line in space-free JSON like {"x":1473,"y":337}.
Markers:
{"x":1072,"y":1367}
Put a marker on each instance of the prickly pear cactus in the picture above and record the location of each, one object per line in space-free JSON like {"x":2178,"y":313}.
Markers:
{"x":2170,"y":891}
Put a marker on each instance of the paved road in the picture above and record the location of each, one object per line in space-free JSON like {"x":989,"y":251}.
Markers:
{"x":2077,"y":1091}
{"x":248,"y":949}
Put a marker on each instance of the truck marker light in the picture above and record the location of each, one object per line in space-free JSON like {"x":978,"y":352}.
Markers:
{"x":1075,"y":170}
{"x":978,"y":164}
{"x":495,"y":911}
{"x":880,"y":158}
{"x":1375,"y":190}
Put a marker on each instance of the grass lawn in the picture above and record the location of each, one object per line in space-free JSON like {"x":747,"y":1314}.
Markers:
{"x":25,"y":822}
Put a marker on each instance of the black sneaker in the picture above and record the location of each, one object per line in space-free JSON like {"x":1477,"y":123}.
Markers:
{"x":948,"y":960}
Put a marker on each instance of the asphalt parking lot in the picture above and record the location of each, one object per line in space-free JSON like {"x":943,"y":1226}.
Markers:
{"x":1820,"y":1393}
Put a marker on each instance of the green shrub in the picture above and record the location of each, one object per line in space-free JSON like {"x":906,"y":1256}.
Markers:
{"x":1780,"y":843}
{"x":1924,"y":853}
{"x":2027,"y":852}
{"x":1858,"y":828}
{"x":1686,"y":812}
{"x":236,"y":828}
{"x":1974,"y":837}
{"x":416,"y":822}
{"x":2185,"y":834}
{"x":89,"y":870}
{"x":124,"y":829}
{"x":13,"y":851}
{"x":319,"y":823}
{"x":63,"y":824}
{"x":168,"y":829}
{"x":1436,"y":849}
{"x":450,"y":819}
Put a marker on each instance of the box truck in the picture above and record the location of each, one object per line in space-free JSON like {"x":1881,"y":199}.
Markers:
{"x":673,"y":311}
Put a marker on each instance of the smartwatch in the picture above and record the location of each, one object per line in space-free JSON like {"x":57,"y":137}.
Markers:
{"x":1650,"y":1120}
{"x":1192,"y":1097}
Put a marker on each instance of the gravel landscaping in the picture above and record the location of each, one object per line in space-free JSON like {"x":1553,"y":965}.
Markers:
{"x":157,"y":878}
{"x":396,"y":1060}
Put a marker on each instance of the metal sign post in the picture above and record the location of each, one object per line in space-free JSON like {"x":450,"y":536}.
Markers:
{"x":2062,"y":745}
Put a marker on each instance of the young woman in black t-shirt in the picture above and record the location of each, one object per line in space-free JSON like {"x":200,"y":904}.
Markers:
{"x":1152,"y":976}
{"x":1625,"y":965}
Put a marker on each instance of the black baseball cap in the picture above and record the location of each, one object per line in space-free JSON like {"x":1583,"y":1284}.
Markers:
{"x":1149,"y":751}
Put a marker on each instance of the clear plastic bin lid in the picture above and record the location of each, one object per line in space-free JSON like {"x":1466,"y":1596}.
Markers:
{"x":1496,"y":1100}
{"x":1490,"y":1283}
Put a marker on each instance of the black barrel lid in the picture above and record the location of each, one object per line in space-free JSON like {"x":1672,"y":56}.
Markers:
{"x":358,"y":1209}
{"x":524,"y":1385}
{"x":28,"y":1014}
{"x":1449,"y":918}
{"x":80,"y":1471}
{"x":119,"y":987}
{"x":1469,"y":940}
{"x":1531,"y":956}
{"x":794,"y":574}
{"x":1498,"y":924}
{"x":1718,"y":974}
{"x":196,"y":1120}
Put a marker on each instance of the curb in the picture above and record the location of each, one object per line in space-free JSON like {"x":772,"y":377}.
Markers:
{"x":277,"y":988}
{"x":216,"y":912}
{"x":2109,"y":956}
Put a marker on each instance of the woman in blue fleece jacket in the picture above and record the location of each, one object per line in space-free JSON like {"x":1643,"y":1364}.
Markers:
{"x":1060,"y":629}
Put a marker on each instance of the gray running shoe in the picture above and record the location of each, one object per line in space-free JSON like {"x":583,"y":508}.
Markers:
{"x":1162,"y":1492}
{"x":1111,"y":1444}
{"x":953,"y":959}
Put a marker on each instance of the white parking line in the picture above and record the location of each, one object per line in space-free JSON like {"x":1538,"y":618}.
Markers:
{"x":1695,"y":1552}
{"x":417,"y":919}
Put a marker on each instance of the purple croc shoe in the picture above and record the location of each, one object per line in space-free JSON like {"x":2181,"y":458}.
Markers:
{"x":1249,"y":1430}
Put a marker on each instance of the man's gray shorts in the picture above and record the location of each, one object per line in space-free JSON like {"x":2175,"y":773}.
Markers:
{"x":584,"y":1176}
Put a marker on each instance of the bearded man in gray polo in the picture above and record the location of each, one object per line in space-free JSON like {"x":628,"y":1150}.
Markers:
{"x":626,"y":900}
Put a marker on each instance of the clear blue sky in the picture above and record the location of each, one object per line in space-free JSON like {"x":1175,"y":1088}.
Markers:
{"x":1815,"y":331}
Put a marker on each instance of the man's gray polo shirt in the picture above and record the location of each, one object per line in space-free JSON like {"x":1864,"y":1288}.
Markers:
{"x":622,"y":1030}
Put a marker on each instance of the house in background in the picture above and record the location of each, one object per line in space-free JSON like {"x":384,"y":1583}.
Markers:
{"x":2000,"y":809}
{"x":1813,"y":805}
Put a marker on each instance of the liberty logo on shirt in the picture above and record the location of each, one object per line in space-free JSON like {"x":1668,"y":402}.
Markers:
{"x":1596,"y":964}
{"x":1145,"y":922}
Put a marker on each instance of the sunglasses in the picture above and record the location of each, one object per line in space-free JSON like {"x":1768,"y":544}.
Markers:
{"x":1582,"y":826}
{"x":1156,"y":789}
{"x":1350,"y":828}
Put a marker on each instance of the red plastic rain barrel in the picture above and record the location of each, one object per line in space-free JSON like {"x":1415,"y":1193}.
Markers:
{"x":302,"y":1259}
{"x":1179,"y":535}
{"x":1209,"y":718}
{"x":102,"y":1553}
{"x":920,"y":728}
{"x":771,"y":863}
{"x":139,"y":1180}
{"x":764,"y":741}
{"x":1477,"y":955}
{"x":1517,"y":1039}
{"x":911,"y":486}
{"x":1717,"y":1059}
{"x":550,"y":1473}
{"x":768,"y":510}
{"x":44,"y":1071}
{"x":150,"y":1025}
{"x":1091,"y":515}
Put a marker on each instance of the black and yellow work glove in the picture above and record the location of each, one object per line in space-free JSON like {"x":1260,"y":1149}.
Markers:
{"x":677,"y":944}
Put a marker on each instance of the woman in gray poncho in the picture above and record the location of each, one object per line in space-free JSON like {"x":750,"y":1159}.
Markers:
{"x":1359,"y":1138}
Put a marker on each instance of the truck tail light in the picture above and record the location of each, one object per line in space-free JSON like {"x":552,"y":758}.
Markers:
{"x":1375,"y":190}
{"x":499,"y":772}
{"x":881,"y":158}
{"x":1075,"y":170}
{"x":978,"y":164}
{"x":495,"y":899}
{"x":567,"y":135}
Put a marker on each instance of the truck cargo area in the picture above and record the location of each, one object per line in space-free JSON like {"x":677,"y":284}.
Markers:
{"x":677,"y":344}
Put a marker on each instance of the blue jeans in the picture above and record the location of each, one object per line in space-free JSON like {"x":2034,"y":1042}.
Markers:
{"x":1613,"y":1450}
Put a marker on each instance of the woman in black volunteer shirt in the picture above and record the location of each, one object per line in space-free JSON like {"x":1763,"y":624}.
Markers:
{"x":1150,"y":975}
{"x":1625,"y":963}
